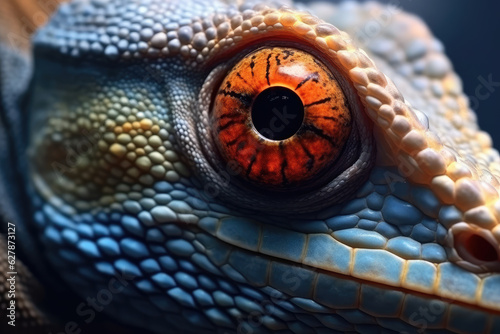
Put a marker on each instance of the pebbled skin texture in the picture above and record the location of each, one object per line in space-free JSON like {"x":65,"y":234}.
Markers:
{"x":130,"y":204}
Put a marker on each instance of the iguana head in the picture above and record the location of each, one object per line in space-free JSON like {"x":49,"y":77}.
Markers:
{"x":252,"y":167}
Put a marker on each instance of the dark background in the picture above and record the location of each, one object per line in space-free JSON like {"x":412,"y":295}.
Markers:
{"x":470,"y":33}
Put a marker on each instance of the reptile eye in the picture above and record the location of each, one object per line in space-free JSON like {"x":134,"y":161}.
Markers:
{"x":281,"y":116}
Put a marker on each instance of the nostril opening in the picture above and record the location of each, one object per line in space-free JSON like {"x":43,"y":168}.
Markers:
{"x":474,"y":247}
{"x":277,"y":113}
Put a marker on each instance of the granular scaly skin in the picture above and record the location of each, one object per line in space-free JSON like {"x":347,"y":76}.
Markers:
{"x":125,"y":179}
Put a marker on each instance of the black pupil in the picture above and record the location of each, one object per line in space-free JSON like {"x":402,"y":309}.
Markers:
{"x":277,"y":113}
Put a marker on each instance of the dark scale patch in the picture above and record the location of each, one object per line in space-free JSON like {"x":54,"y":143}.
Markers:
{"x":250,"y":165}
{"x":243,"y":79}
{"x":284,"y":165}
{"x":234,"y":141}
{"x":287,"y":54}
{"x":227,"y":125}
{"x":245,"y":99}
{"x":318,"y":132}
{"x":313,"y":76}
{"x":268,"y":68}
{"x":230,"y":116}
{"x":330,"y":118}
{"x":241,"y":145}
{"x":328,"y":99}
{"x":310,"y":162}
{"x":278,"y":61}
{"x":252,"y":64}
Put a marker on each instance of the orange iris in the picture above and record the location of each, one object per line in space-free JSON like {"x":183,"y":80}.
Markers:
{"x":281,"y":116}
